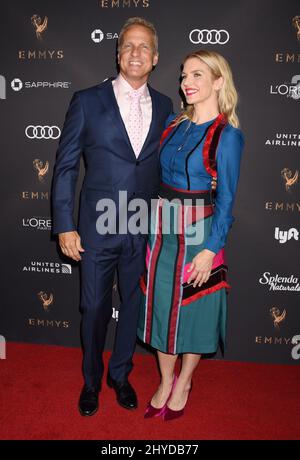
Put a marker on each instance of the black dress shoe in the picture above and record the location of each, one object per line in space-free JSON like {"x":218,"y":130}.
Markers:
{"x":126,"y":395}
{"x":88,"y":401}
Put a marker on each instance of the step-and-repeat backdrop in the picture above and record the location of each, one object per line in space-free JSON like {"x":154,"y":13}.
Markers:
{"x":49,"y":49}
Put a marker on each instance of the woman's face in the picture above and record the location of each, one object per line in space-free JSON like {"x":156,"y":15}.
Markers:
{"x":198,"y":83}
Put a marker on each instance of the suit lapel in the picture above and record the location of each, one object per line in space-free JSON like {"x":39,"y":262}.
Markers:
{"x":109,"y":101}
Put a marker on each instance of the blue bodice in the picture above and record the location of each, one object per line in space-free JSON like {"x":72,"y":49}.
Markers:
{"x":182,"y":166}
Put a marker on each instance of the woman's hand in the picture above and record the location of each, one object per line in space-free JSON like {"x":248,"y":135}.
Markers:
{"x":201,"y":267}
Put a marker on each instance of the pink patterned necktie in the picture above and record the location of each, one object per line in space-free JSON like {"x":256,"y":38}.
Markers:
{"x":135,"y":121}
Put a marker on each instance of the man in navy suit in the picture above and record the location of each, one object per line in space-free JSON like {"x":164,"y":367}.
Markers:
{"x":116,"y":125}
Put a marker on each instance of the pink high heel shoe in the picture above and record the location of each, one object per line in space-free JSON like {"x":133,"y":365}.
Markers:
{"x":170,"y":414}
{"x":157,"y":412}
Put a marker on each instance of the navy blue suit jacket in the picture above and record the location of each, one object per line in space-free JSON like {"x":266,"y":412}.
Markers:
{"x":94,"y":127}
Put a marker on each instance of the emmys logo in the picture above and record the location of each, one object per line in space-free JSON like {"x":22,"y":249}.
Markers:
{"x":288,"y":57}
{"x":285,"y":235}
{"x":289,"y":178}
{"x":40,"y":27}
{"x":282,"y":206}
{"x":277,"y":316}
{"x":124,"y":3}
{"x":2,"y":347}
{"x":41,"y":169}
{"x":296,"y":24}
{"x":46,"y":301}
{"x":296,"y":349}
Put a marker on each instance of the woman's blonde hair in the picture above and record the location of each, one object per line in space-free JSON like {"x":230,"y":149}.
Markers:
{"x":227,"y":95}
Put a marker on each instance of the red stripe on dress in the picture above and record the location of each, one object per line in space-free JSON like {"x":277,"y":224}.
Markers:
{"x":217,"y":287}
{"x":169,"y":128}
{"x":152,"y":272}
{"x":177,"y":281}
{"x":206,"y":148}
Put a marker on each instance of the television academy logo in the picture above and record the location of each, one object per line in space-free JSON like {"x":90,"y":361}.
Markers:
{"x":45,"y":300}
{"x":40,"y":26}
{"x":290,"y":90}
{"x":41,"y":169}
{"x":289,"y":178}
{"x":280,"y":283}
{"x":286,"y":235}
{"x":55,"y":268}
{"x":124,"y":3}
{"x":277,"y":316}
{"x":290,"y":57}
{"x":97,"y":36}
{"x":284,"y":140}
{"x":211,"y":37}
{"x":17,"y":84}
{"x":296,"y":24}
{"x":37,"y":223}
{"x":42,"y":132}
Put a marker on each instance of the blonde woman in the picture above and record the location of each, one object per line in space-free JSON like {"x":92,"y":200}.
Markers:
{"x":185,"y":288}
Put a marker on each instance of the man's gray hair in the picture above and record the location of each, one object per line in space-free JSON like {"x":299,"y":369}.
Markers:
{"x":137,"y":21}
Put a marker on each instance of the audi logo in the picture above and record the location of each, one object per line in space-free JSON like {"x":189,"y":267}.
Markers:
{"x":206,"y":36}
{"x":42,"y":132}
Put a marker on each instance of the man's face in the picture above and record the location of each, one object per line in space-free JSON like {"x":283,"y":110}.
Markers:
{"x":137,"y":54}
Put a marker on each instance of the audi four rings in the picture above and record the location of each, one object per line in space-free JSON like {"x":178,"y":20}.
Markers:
{"x":42,"y":132}
{"x":206,"y":36}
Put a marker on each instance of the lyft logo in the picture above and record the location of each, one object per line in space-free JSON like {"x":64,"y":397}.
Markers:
{"x":284,"y":236}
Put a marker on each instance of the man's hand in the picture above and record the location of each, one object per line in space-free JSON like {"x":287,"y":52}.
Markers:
{"x":70,"y":244}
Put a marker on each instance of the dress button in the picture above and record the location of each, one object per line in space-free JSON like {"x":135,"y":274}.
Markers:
{"x":137,"y":162}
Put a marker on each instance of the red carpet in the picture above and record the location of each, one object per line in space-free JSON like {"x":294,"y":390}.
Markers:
{"x":40,"y":385}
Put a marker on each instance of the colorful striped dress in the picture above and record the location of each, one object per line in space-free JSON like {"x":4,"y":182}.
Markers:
{"x":174,"y":316}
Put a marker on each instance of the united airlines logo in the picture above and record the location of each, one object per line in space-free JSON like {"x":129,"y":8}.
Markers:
{"x":211,"y":37}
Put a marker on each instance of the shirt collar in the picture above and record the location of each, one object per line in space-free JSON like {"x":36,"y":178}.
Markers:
{"x":123,"y":87}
